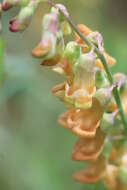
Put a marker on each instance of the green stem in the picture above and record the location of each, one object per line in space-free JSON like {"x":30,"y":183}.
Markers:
{"x":103,"y":60}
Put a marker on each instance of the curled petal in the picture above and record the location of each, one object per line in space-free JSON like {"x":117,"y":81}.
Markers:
{"x":83,"y":123}
{"x":59,"y":91}
{"x":92,"y":174}
{"x":88,"y":149}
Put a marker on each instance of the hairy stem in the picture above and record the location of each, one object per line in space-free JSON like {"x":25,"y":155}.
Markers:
{"x":103,"y":60}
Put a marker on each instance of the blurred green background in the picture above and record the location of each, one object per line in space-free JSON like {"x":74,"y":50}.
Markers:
{"x":35,"y":153}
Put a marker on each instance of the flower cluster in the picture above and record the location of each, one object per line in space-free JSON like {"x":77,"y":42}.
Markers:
{"x":22,"y":20}
{"x":92,"y":113}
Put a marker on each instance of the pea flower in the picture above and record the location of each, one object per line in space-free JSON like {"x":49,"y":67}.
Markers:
{"x":80,"y":73}
{"x":98,"y":41}
{"x":47,"y":46}
{"x":51,"y":46}
{"x":7,"y":4}
{"x":84,"y":123}
{"x":22,"y":20}
{"x":92,"y":114}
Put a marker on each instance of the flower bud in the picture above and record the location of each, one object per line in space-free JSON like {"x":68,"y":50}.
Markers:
{"x":62,"y":8}
{"x":108,"y":121}
{"x":22,"y":20}
{"x":121,"y":80}
{"x":104,"y":95}
{"x":47,"y":47}
{"x":7,"y":4}
{"x":72,"y":52}
{"x":97,"y":39}
{"x":66,"y":29}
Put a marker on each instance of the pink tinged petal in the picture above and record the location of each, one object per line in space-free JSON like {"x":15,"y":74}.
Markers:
{"x":6,"y":6}
{"x":63,"y":9}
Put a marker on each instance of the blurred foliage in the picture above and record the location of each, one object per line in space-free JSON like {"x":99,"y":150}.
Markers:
{"x":34,"y":151}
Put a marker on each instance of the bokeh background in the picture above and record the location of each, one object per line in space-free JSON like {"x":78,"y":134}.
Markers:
{"x":35,"y":152}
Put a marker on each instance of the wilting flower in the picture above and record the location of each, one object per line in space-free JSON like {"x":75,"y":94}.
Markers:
{"x":22,"y":20}
{"x":88,"y":33}
{"x":93,"y":173}
{"x":87,"y":149}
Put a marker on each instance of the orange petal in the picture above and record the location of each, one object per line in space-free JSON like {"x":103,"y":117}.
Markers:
{"x":88,"y":149}
{"x":41,"y":50}
{"x":86,"y":31}
{"x":59,"y":91}
{"x":92,"y":174}
{"x":83,"y":123}
{"x":53,"y":61}
{"x":110,"y":61}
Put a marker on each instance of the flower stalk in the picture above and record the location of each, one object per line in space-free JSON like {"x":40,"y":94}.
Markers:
{"x":93,"y":114}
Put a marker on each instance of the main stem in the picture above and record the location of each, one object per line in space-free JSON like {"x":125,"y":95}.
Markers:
{"x":103,"y":60}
